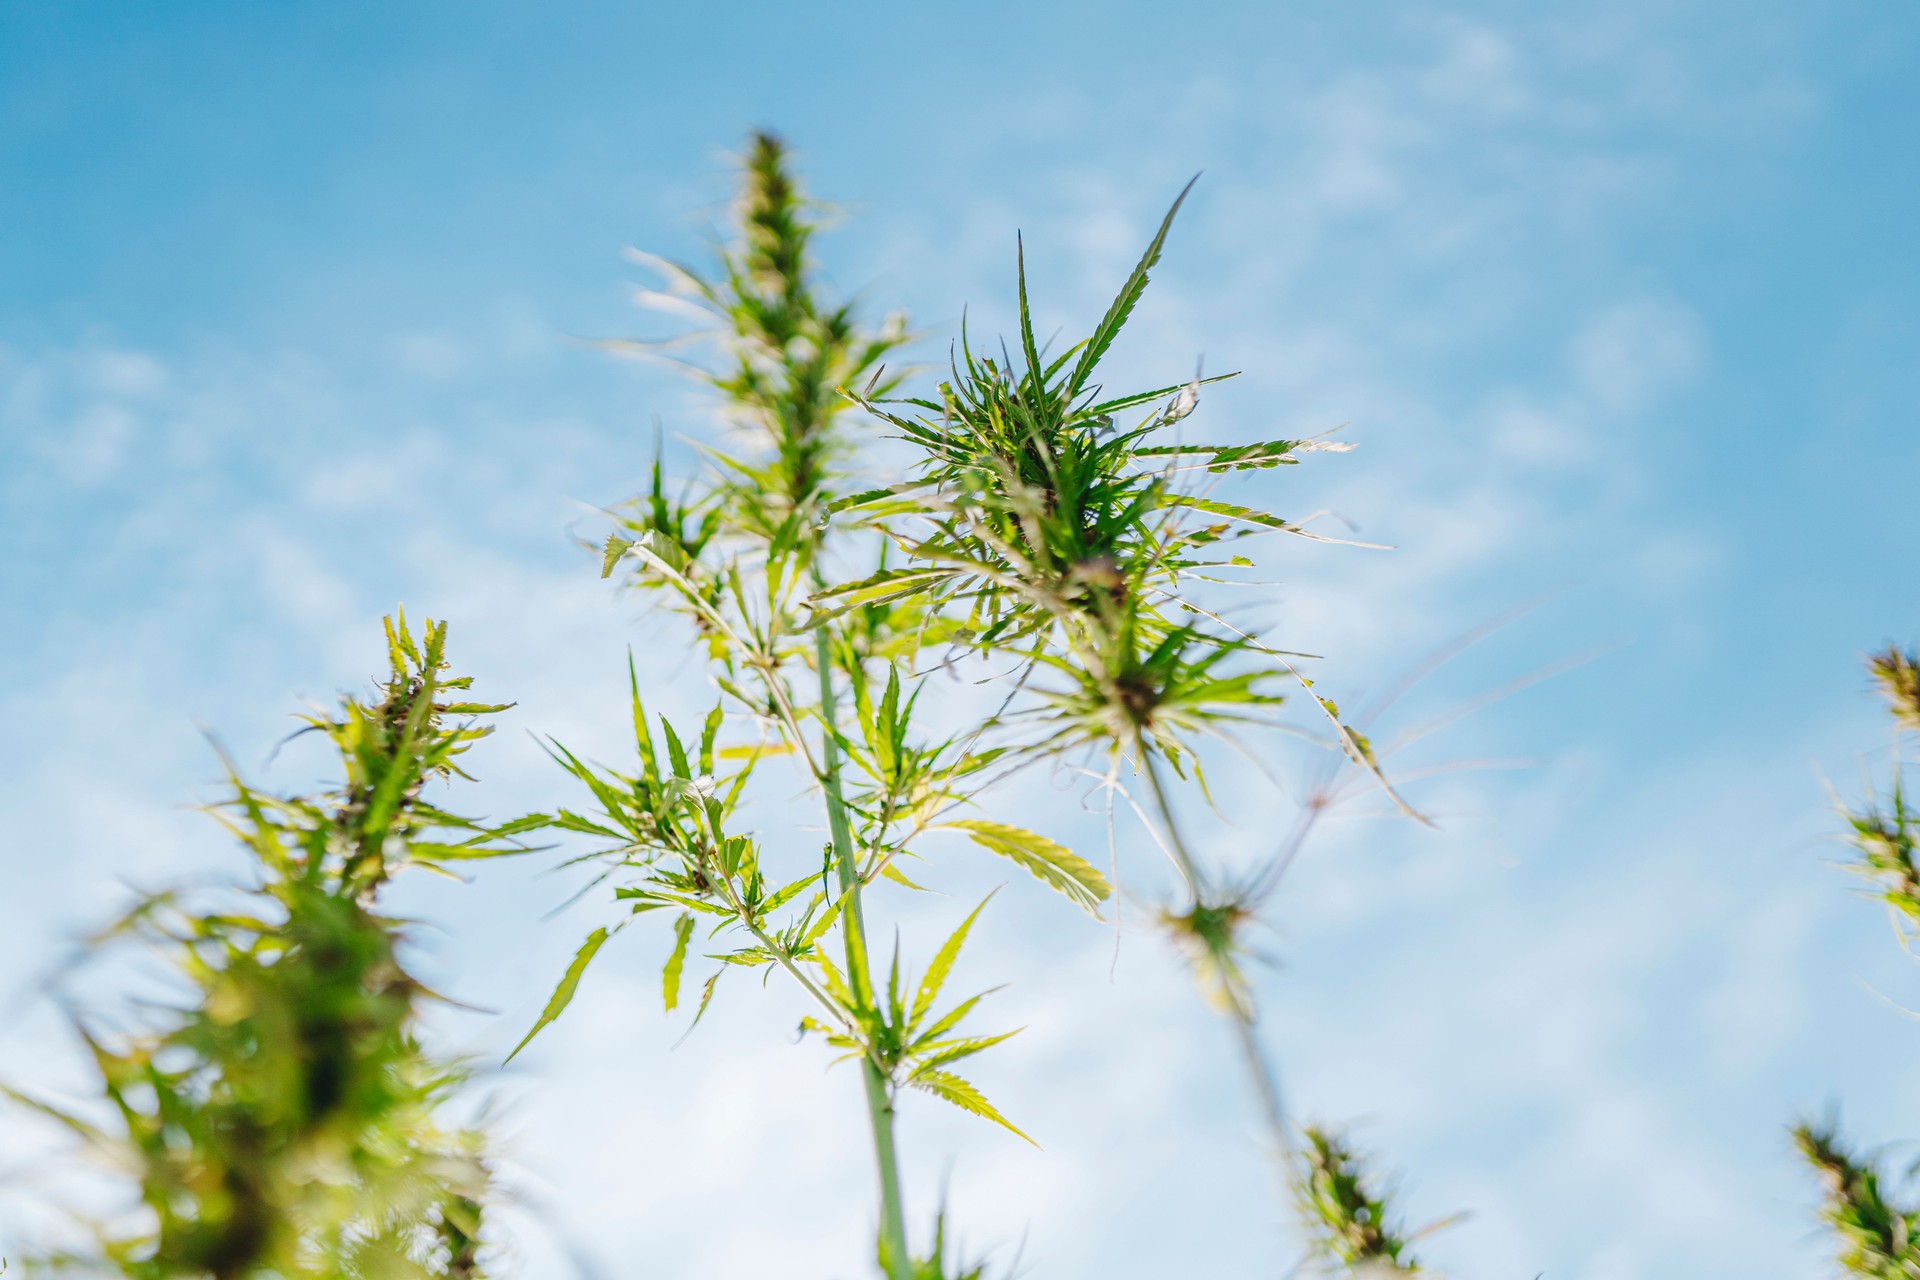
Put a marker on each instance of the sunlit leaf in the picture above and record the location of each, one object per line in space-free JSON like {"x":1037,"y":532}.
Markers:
{"x":951,"y":1088}
{"x":1050,"y":862}
{"x":676,"y":961}
{"x":937,"y":971}
{"x":569,"y":983}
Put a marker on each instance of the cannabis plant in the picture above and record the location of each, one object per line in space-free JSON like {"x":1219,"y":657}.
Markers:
{"x":1351,"y":1224}
{"x":1076,"y":529}
{"x":1874,"y":1234}
{"x":1045,"y":531}
{"x":280,"y":1116}
{"x":741,"y":550}
{"x":1043,"y":522}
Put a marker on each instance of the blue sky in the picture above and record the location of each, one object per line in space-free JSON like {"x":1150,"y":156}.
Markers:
{"x":1618,"y":303}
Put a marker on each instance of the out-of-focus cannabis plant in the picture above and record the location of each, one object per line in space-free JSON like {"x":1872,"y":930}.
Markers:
{"x":1872,"y":1236}
{"x":279,"y":1116}
{"x":1041,"y":518}
{"x":1351,"y":1224}
{"x":1876,"y":1236}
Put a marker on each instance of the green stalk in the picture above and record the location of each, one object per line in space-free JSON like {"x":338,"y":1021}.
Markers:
{"x":893,"y":1222}
{"x":1175,"y":844}
{"x":1253,"y":1055}
{"x":1266,"y":1084}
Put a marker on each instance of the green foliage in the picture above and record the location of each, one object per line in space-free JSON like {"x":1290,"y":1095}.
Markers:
{"x":1049,"y":519}
{"x":1883,"y":835}
{"x":283,"y":1123}
{"x":1039,"y":523}
{"x":669,"y":838}
{"x":784,"y":354}
{"x":1210,"y":935}
{"x":280,"y":1119}
{"x":1885,"y":832}
{"x":1051,"y":863}
{"x":936,"y":1265}
{"x":1353,"y":1226}
{"x":1897,"y":671}
{"x":909,"y":1044}
{"x":739,"y":552}
{"x":673,"y":846}
{"x":563,"y":994}
{"x":1875,"y":1237}
{"x":1042,"y":518}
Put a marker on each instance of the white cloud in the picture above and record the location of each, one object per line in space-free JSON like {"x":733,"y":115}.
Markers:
{"x":430,"y":355}
{"x":1531,"y":435}
{"x":1480,"y":67}
{"x":1636,"y":351}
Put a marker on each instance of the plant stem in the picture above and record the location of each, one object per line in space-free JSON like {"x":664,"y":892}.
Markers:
{"x":1175,"y":844}
{"x":1266,"y":1084}
{"x":893,"y":1224}
{"x":1253,"y":1055}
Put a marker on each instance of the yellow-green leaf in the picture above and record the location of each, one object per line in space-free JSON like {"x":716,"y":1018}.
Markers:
{"x":1049,"y":861}
{"x":943,"y":964}
{"x":563,"y":994}
{"x":616,"y":547}
{"x":676,"y":961}
{"x":951,"y":1088}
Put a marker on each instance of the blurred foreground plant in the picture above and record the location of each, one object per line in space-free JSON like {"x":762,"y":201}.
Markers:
{"x":1874,"y":1236}
{"x":1352,"y":1227}
{"x":280,"y":1116}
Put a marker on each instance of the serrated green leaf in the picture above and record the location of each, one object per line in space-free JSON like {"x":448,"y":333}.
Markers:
{"x":1122,"y":307}
{"x":1035,"y":373}
{"x":676,"y":961}
{"x":948,"y":1021}
{"x":942,"y":965}
{"x":951,"y":1088}
{"x":1264,"y":519}
{"x":642,"y":736}
{"x":1227,"y":457}
{"x":706,"y":998}
{"x":1107,"y":407}
{"x":425,"y":849}
{"x":1052,"y":863}
{"x":883,"y":586}
{"x":824,"y":923}
{"x":569,"y":983}
{"x":787,"y":893}
{"x":617,"y":546}
{"x":708,"y":733}
{"x":676,"y":754}
{"x":892,"y":872}
{"x":941,"y":1053}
